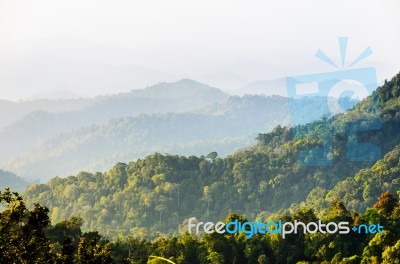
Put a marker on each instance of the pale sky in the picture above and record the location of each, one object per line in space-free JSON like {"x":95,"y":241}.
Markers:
{"x":208,"y":40}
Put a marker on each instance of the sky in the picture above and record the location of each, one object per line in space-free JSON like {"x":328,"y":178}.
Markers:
{"x":99,"y":47}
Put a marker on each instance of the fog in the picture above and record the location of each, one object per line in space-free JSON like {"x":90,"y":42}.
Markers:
{"x":86,"y":48}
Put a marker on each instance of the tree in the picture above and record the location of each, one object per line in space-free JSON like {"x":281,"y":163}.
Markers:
{"x":215,"y":258}
{"x":67,"y":229}
{"x":22,"y":232}
{"x":392,"y":254}
{"x":89,"y":252}
{"x":386,"y":203}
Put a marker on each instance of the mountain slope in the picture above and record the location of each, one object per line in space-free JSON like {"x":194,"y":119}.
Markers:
{"x":12,"y":181}
{"x":360,"y":191}
{"x":11,"y":112}
{"x":184,"y":95}
{"x":157,"y":193}
{"x":220,"y":127}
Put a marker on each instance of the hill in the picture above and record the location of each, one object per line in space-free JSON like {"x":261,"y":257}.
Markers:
{"x":183,"y":95}
{"x":35,"y":121}
{"x":12,"y":181}
{"x":155,"y":194}
{"x":221,"y":127}
{"x":360,"y":190}
{"x":11,"y":112}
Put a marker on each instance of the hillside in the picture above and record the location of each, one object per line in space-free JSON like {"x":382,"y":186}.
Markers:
{"x":158,"y":192}
{"x":359,"y":192}
{"x":12,"y":181}
{"x":176,"y":96}
{"x":222,"y":127}
{"x":46,"y":119}
{"x":11,"y":112}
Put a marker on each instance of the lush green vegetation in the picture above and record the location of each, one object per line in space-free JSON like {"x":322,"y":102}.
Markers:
{"x":360,"y":191}
{"x":155,"y":194}
{"x":151,"y":197}
{"x":27,"y":237}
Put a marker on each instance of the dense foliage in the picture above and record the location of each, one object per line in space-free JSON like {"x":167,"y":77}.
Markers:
{"x":153,"y":197}
{"x":155,"y":194}
{"x":27,"y":237}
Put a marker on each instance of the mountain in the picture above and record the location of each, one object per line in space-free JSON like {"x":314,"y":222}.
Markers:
{"x":11,"y":112}
{"x":59,"y":116}
{"x":178,"y":96}
{"x":12,"y":181}
{"x":279,"y":87}
{"x":221,"y":127}
{"x":157,"y":193}
{"x":359,"y":191}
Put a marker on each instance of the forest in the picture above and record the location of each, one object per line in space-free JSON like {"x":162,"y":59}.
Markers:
{"x":137,"y":212}
{"x":28,"y":237}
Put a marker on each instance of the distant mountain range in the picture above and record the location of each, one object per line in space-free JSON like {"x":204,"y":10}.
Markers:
{"x":12,"y":181}
{"x":62,"y":137}
{"x":46,"y":118}
{"x":268,"y":180}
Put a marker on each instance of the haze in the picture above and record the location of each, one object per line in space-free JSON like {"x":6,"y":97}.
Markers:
{"x":87,"y":48}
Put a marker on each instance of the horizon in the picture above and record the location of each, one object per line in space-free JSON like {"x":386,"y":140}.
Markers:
{"x":94,"y":48}
{"x":59,"y":95}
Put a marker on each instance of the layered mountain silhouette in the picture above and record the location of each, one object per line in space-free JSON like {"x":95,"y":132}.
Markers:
{"x":156,"y":193}
{"x":185,"y":118}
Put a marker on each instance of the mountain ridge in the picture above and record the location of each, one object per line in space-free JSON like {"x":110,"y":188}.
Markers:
{"x":155,"y":194}
{"x":221,"y":127}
